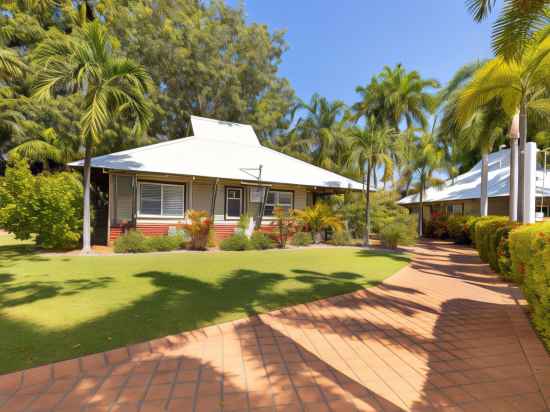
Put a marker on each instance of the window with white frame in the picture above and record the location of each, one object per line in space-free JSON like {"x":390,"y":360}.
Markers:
{"x":278,"y":198}
{"x":160,"y":199}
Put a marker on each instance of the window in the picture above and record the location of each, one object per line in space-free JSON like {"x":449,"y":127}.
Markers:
{"x":123,"y":193}
{"x":156,"y":199}
{"x":233,"y":202}
{"x":458,"y":209}
{"x":545,"y":210}
{"x":276,"y":198}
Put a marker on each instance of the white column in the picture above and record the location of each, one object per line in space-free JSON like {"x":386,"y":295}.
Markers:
{"x":513,"y":205}
{"x":529,"y":182}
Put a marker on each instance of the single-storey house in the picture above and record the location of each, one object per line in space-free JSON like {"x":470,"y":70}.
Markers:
{"x":222,"y":169}
{"x":461,"y":195}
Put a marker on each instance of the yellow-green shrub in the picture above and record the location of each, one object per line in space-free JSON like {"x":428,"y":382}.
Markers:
{"x":485,"y":240}
{"x":530,"y":256}
{"x":47,"y":205}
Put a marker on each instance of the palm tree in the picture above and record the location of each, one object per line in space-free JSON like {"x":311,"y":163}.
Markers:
{"x":318,"y":218}
{"x":522,"y":86}
{"x":396,"y":95}
{"x":483,"y":130}
{"x":11,"y":64}
{"x":428,"y":158}
{"x":112,"y":88}
{"x":321,"y":132}
{"x":515,"y":27}
{"x":370,"y":148}
{"x":480,"y":133}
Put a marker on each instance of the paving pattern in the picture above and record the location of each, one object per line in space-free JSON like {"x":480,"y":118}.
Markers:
{"x":444,"y":334}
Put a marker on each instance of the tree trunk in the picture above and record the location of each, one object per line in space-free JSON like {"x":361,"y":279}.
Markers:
{"x":522,"y":147}
{"x":421,"y":211}
{"x":374,"y":177}
{"x":86,"y":230}
{"x":367,"y":207}
{"x":483,"y":198}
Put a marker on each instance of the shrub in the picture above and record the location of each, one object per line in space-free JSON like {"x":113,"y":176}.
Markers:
{"x":530,"y":256}
{"x":48,"y":205}
{"x":244,"y":222}
{"x":400,"y":231}
{"x":134,"y":241}
{"x":458,"y":229}
{"x":485,"y":240}
{"x":471,"y":227}
{"x":260,"y":241}
{"x":285,"y":223}
{"x":340,"y":238}
{"x":165,"y":243}
{"x":198,"y":228}
{"x":318,"y":218}
{"x":302,"y":239}
{"x":502,"y":240}
{"x":437,"y":227}
{"x":237,"y":241}
{"x":383,"y":209}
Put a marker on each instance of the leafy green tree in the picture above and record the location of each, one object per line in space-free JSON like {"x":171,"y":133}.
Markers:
{"x":112,"y":88}
{"x":48,"y":206}
{"x":515,"y":26}
{"x":206,"y":60}
{"x":370,"y":148}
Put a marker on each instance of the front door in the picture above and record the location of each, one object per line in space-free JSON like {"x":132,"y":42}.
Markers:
{"x":233,"y":202}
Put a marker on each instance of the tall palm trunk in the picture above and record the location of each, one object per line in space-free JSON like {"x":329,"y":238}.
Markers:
{"x":522,"y":147}
{"x":367,"y":207}
{"x":484,"y":199}
{"x":86,"y":230}
{"x":421,"y":211}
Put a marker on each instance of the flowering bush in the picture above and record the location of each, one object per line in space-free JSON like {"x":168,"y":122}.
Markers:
{"x":198,"y":229}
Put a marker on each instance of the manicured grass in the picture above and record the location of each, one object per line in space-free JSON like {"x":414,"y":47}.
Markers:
{"x":59,"y":307}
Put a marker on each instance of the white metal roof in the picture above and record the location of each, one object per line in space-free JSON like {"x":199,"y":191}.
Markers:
{"x":224,"y":150}
{"x":468,"y":185}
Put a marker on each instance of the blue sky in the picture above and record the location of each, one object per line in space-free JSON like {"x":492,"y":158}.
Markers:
{"x":335,"y":46}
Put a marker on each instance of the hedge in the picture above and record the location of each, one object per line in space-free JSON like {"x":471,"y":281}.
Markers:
{"x":530,"y":266}
{"x":520,"y":253}
{"x":485,"y":239}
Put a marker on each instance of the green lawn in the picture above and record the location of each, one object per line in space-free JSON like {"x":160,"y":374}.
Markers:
{"x":59,"y":307}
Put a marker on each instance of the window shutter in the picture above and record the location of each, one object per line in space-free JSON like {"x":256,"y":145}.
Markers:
{"x":172,"y":200}
{"x":150,"y":199}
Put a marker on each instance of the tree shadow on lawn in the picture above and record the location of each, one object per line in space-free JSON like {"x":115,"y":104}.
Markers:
{"x":13,"y":253}
{"x":181,"y":303}
{"x":29,"y":292}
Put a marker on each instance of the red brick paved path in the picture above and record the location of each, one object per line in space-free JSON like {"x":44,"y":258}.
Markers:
{"x":442,"y":334}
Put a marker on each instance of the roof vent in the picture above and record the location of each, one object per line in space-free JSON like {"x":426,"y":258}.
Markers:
{"x":221,"y":131}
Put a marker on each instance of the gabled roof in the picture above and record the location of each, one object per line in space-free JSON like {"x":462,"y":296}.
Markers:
{"x":468,"y":185}
{"x":224,"y":150}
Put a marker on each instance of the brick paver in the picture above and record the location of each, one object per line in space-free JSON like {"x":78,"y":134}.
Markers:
{"x":442,"y":334}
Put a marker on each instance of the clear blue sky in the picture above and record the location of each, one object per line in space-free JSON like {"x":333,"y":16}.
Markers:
{"x":336,"y":45}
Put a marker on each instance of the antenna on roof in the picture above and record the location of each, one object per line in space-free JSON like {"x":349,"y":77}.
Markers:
{"x":259,"y":169}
